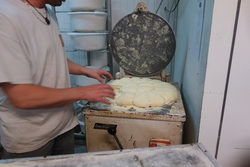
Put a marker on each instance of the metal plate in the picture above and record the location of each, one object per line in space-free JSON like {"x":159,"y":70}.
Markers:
{"x":142,"y":43}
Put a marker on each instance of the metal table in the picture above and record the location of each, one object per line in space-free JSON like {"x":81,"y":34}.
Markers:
{"x":189,"y":155}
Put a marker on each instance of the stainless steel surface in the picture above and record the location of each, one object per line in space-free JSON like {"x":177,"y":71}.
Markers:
{"x":190,"y":155}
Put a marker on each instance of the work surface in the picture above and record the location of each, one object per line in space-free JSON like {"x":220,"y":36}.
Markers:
{"x":191,"y":155}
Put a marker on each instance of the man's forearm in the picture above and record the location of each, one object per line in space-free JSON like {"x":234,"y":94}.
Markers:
{"x":33,"y":96}
{"x":75,"y":68}
{"x":27,"y":96}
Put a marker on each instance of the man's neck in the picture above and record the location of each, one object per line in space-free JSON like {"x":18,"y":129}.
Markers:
{"x":36,"y":3}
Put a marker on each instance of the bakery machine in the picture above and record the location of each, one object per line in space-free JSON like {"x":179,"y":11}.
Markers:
{"x":143,"y":44}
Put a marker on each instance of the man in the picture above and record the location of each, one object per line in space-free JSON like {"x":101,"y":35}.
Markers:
{"x":36,"y":115}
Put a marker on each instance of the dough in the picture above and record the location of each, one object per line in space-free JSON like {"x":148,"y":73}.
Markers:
{"x":135,"y":79}
{"x":131,"y":89}
{"x":145,"y":79}
{"x":156,"y":100}
{"x":141,"y":99}
{"x":143,"y":92}
{"x":145,"y":88}
{"x":169,"y":96}
{"x":125,"y":99}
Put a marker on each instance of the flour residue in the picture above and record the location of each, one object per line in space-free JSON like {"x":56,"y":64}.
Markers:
{"x":143,"y":43}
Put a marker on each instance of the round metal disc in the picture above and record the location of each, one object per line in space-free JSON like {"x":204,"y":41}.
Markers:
{"x":142,"y":43}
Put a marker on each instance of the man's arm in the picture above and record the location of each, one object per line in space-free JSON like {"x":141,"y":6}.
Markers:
{"x":98,"y":74}
{"x":33,"y":96}
{"x":27,"y":96}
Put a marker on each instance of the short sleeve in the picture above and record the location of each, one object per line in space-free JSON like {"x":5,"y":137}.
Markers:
{"x":15,"y":64}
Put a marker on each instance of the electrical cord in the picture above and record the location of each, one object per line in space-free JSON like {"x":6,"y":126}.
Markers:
{"x":172,"y":10}
{"x":159,"y":6}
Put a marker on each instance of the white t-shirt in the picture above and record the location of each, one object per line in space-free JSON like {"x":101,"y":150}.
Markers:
{"x":31,"y":52}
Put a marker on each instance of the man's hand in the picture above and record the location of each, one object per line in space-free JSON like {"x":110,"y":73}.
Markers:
{"x":97,"y":93}
{"x":98,"y":74}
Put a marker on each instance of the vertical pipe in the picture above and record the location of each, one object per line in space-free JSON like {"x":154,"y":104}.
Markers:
{"x":88,"y":59}
{"x":109,"y":27}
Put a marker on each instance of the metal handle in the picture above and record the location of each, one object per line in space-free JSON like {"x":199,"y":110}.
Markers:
{"x":112,"y":131}
{"x":141,"y":7}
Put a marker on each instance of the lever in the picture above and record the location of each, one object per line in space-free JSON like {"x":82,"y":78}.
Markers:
{"x":111,"y":128}
{"x":112,"y":131}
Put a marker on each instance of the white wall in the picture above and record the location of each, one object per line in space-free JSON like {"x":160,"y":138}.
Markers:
{"x":235,"y":136}
{"x":233,"y":146}
{"x":217,"y":66}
